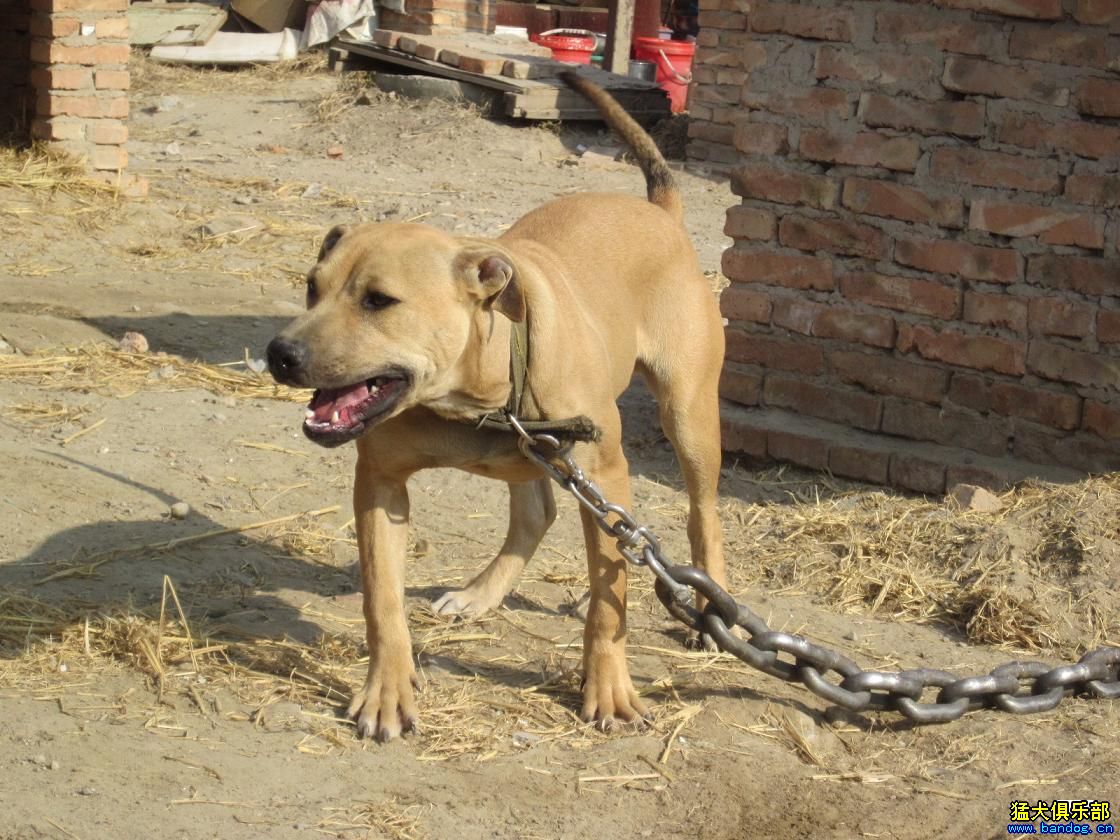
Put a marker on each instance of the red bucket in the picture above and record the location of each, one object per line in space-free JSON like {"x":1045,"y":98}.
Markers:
{"x":568,"y":46}
{"x":674,"y":66}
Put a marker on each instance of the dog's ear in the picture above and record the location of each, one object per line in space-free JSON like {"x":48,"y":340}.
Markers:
{"x":495,"y":281}
{"x":331,"y":239}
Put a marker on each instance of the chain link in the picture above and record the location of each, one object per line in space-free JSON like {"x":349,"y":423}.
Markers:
{"x":1019,"y":687}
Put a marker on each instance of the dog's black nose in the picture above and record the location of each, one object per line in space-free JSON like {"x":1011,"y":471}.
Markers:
{"x":286,"y":359}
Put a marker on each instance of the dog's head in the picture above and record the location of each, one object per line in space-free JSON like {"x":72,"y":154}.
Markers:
{"x":396,"y":316}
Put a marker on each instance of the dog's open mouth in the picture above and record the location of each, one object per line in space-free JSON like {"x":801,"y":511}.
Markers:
{"x":337,"y":415}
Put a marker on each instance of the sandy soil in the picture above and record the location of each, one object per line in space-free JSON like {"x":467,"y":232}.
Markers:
{"x":221,"y":720}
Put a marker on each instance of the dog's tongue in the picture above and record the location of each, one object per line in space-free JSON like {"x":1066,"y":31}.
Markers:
{"x":329,"y":401}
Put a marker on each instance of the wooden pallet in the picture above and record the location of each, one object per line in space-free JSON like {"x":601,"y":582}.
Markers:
{"x":528,"y":82}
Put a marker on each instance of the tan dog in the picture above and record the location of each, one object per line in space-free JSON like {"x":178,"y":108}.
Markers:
{"x":407,"y":339}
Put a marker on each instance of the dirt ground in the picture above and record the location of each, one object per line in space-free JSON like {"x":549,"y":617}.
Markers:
{"x":157,"y":677}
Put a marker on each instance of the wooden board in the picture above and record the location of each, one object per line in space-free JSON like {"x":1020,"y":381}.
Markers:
{"x":173,"y":23}
{"x":542,"y":98}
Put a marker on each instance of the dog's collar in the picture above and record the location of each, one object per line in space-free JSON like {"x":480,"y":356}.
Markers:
{"x":573,"y":429}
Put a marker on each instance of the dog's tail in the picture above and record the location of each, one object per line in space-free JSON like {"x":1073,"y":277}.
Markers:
{"x":661,"y":186}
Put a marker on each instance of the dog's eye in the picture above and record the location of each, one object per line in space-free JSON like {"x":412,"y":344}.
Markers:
{"x":312,"y":291}
{"x":375,"y":301}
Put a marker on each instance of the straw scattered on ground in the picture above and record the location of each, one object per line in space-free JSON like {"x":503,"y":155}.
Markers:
{"x":102,"y":369}
{"x":40,"y":169}
{"x":1027,"y":577}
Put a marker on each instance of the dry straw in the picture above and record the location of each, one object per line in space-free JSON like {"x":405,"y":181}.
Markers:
{"x":105,"y":370}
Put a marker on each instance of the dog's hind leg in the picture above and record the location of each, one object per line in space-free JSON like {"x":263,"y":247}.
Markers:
{"x":687,"y":392}
{"x":532,"y":510}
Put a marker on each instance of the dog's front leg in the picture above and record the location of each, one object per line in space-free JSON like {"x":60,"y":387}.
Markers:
{"x":608,"y":693}
{"x":385,"y":706}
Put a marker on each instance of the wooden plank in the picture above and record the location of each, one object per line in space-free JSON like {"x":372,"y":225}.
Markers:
{"x":435,"y":68}
{"x":620,"y":25}
{"x":173,"y":23}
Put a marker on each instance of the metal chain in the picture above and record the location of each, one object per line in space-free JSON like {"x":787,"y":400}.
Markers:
{"x":1021,"y":687}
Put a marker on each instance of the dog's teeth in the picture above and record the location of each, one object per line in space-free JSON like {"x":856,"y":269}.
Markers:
{"x":334,"y":417}
{"x":309,"y":414}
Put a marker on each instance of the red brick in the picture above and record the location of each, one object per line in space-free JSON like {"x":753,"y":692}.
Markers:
{"x":767,"y":183}
{"x":750,"y":223}
{"x":906,"y":294}
{"x":108,"y":157}
{"x":773,"y":353}
{"x":974,"y":262}
{"x":1054,"y":227}
{"x":969,"y":165}
{"x":1103,"y":190}
{"x":1004,"y":311}
{"x":791,"y":271}
{"x":712,"y":132}
{"x":880,"y":67}
{"x":1061,"y":364}
{"x":840,"y":405}
{"x":1102,"y":420}
{"x":912,"y":472}
{"x":743,"y":387}
{"x":822,"y":23}
{"x":82,"y":106}
{"x":836,"y":236}
{"x":107,"y":132}
{"x":1030,"y":131}
{"x":1099,"y":97}
{"x":851,"y":325}
{"x":58,"y":128}
{"x":57,"y":78}
{"x":386,"y":38}
{"x":53,"y":26}
{"x":895,"y":201}
{"x":1050,"y":408}
{"x":738,"y":303}
{"x":1080,"y":47}
{"x":111,"y":79}
{"x":904,"y":113}
{"x":812,"y":105}
{"x":860,"y":463}
{"x":1036,"y":9}
{"x":861,"y":149}
{"x":887,"y":375}
{"x":796,"y":314}
{"x":1079,"y":274}
{"x":1108,"y":326}
{"x":988,"y":78}
{"x":1101,"y":12}
{"x":759,"y":138}
{"x":909,"y":26}
{"x":945,"y":425}
{"x":113,"y":27}
{"x":715,"y":19}
{"x":743,"y":438}
{"x":1057,"y":316}
{"x":800,"y":449}
{"x":980,"y":352}
{"x":52,"y":52}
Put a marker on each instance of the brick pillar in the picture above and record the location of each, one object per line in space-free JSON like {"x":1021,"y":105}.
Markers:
{"x":15,"y":66}
{"x":434,"y":17}
{"x":79,"y":73}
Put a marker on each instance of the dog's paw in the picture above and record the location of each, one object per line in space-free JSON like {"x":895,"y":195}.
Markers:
{"x":466,"y":602}
{"x":609,"y":698}
{"x":385,"y":707}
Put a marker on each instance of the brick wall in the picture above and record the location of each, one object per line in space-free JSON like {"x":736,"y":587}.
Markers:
{"x":79,"y":75}
{"x":429,"y":17}
{"x":925,"y":275}
{"x":15,"y":66}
